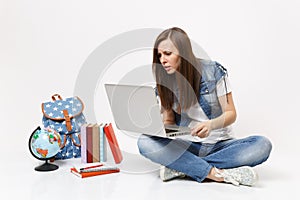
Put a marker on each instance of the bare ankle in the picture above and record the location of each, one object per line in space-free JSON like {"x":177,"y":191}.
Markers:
{"x":213,"y":175}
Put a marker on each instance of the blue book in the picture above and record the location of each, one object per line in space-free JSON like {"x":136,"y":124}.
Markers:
{"x":103,"y":152}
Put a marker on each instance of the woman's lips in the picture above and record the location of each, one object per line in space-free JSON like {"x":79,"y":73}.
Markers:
{"x":167,"y":68}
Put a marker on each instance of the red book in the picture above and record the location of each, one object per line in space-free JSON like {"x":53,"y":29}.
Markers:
{"x":89,"y":143}
{"x":113,"y":143}
{"x":93,"y":173}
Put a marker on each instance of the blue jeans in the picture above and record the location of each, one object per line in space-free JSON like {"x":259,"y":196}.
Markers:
{"x":196,"y":159}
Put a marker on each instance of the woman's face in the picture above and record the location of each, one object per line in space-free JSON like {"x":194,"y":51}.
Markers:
{"x":168,"y":56}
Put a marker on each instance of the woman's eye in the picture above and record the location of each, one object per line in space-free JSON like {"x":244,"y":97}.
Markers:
{"x":159,"y":55}
{"x":168,"y":53}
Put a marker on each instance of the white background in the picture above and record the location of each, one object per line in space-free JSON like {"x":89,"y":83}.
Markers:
{"x":43,"y":45}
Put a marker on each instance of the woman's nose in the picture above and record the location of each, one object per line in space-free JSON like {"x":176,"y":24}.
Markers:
{"x":163,"y":59}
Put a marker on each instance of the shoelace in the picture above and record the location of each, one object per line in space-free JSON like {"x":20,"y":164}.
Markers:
{"x":227,"y":178}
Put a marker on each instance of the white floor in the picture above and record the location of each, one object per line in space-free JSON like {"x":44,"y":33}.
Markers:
{"x":18,"y":179}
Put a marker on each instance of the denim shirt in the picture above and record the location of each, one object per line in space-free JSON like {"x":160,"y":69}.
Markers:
{"x":211,"y":73}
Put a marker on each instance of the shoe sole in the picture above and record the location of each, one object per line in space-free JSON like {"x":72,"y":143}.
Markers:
{"x":162,"y":172}
{"x":250,"y":173}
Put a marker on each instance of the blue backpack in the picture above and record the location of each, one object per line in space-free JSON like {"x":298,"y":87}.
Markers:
{"x":66,"y":117}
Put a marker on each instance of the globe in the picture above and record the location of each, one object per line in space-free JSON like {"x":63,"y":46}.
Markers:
{"x":44,"y":144}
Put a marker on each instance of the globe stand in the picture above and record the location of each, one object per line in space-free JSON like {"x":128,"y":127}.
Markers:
{"x":46,"y":167}
{"x":42,"y":155}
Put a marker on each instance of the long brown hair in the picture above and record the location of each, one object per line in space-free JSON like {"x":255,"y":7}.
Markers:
{"x":187,"y":76}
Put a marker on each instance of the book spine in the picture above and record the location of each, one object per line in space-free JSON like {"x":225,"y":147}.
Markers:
{"x":113,"y":143}
{"x":104,"y":147}
{"x":96,"y":144}
{"x":89,"y":144}
{"x":100,"y":169}
{"x":94,"y":173}
{"x":102,"y":144}
{"x":90,"y":174}
{"x":83,"y":143}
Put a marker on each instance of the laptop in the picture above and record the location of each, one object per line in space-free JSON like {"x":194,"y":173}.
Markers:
{"x":136,"y":109}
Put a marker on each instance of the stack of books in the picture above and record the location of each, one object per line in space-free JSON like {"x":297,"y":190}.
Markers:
{"x":94,"y":138}
{"x":94,"y":171}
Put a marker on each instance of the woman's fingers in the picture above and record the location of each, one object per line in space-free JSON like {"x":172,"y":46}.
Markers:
{"x":203,"y":132}
{"x":200,"y":130}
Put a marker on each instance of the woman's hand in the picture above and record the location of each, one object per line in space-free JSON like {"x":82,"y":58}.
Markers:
{"x":202,"y":129}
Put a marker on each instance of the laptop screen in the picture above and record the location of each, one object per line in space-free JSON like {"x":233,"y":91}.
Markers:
{"x":135,"y":108}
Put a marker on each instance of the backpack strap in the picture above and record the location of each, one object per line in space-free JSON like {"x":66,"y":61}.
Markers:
{"x":64,"y":141}
{"x":56,"y":95}
{"x":74,"y":142}
{"x":68,"y":120}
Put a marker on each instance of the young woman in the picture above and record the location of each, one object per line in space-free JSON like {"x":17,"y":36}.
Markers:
{"x":196,"y":93}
